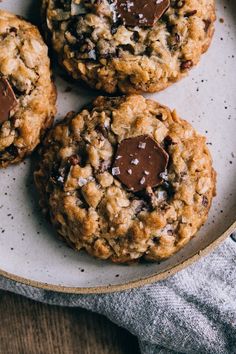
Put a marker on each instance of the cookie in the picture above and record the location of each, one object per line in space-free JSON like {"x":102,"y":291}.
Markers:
{"x":126,"y":178}
{"x":27,"y":94}
{"x":129,"y":46}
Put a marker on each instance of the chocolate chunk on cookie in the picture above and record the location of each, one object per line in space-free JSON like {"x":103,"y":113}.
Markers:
{"x":141,"y":12}
{"x":7,"y":100}
{"x":139,"y":163}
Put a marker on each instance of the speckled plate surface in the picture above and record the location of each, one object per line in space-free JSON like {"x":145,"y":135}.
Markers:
{"x":30,"y":251}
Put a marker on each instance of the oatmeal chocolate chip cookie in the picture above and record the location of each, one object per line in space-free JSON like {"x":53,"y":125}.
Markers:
{"x":27,"y":94}
{"x":129,"y":46}
{"x":84,"y":186}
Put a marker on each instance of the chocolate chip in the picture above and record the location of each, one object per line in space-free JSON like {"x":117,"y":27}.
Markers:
{"x":82,"y":153}
{"x":9,"y":153}
{"x":140,"y":161}
{"x":128,"y":48}
{"x":13,"y":30}
{"x":12,"y":150}
{"x":115,"y":25}
{"x":62,"y":4}
{"x":190,"y":13}
{"x":59,"y":174}
{"x":187,"y":64}
{"x":102,"y":130}
{"x":207,"y":25}
{"x":159,"y":116}
{"x":141,"y":13}
{"x":7,"y":100}
{"x":156,"y":240}
{"x":168,"y":141}
{"x":74,"y":160}
{"x":167,"y":186}
{"x":136,"y":36}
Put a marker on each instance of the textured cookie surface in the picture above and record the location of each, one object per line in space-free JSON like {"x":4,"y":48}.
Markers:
{"x":90,"y":207}
{"x":24,"y":74}
{"x":95,"y":45}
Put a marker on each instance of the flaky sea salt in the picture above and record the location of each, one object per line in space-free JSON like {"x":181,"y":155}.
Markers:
{"x":135,"y":162}
{"x":60,"y":179}
{"x":161,"y":195}
{"x":82,"y":181}
{"x":142,"y":145}
{"x":164,"y":175}
{"x":142,"y":181}
{"x":130,"y":4}
{"x":115,"y":171}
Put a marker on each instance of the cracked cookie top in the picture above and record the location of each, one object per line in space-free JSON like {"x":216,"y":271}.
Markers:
{"x":93,"y":209}
{"x":119,"y":45}
{"x":27,"y":94}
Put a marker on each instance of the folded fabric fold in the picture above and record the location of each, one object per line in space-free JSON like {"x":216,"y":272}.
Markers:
{"x":193,"y":311}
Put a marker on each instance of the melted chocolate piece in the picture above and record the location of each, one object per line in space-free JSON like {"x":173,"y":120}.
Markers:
{"x":7,"y":100}
{"x":141,"y":13}
{"x":139,"y":162}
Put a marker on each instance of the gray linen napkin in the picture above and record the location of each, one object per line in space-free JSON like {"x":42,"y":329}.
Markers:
{"x":193,"y":311}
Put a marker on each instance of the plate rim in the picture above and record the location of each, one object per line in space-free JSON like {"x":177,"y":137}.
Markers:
{"x":127,"y":285}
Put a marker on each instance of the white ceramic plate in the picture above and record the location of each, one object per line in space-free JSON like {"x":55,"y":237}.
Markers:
{"x":30,"y":251}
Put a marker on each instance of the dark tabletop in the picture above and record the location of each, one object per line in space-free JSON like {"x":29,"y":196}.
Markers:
{"x":28,"y":327}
